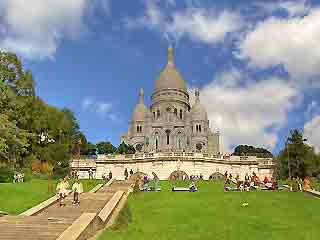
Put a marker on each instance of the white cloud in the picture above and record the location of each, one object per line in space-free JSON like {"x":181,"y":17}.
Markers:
{"x":35,"y":28}
{"x":199,"y":24}
{"x":312,"y":132}
{"x":291,"y":42}
{"x":248,"y":114}
{"x":102,"y":108}
{"x":293,"y":8}
{"x":87,"y":102}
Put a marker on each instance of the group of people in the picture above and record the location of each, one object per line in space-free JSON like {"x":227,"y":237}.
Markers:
{"x":126,"y":173}
{"x":143,"y":183}
{"x":62,"y":191}
{"x":106,"y":177}
{"x":196,"y":177}
{"x":249,"y":182}
{"x":18,"y":177}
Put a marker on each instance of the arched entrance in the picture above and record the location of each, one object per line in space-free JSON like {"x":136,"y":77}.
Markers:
{"x":216,"y":176}
{"x":178,"y":175}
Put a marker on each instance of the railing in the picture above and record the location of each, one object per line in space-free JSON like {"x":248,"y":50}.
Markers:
{"x":192,"y":155}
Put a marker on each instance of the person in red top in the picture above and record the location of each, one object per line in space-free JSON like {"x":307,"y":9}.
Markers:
{"x":266,"y":180}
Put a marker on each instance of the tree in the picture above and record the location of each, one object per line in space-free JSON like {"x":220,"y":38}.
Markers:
{"x":125,"y":149}
{"x":106,"y":148}
{"x":252,"y":151}
{"x":297,"y":157}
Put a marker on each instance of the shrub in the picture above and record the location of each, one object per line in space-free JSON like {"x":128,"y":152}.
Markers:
{"x":6,"y":175}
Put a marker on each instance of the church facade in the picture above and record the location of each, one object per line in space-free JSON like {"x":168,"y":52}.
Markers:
{"x":170,"y":123}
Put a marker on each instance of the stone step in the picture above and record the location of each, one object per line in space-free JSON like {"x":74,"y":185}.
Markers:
{"x":32,"y":227}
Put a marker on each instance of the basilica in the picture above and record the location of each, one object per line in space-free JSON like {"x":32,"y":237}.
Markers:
{"x":171,"y":123}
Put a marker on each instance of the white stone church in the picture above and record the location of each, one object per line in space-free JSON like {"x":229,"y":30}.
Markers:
{"x":172,"y":137}
{"x":171,"y":123}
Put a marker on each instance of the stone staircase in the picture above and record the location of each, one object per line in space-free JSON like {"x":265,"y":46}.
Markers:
{"x":50,"y":223}
{"x":116,"y":186}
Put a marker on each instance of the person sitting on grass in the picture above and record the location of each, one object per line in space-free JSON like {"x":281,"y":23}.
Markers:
{"x":77,"y":189}
{"x":145,"y":183}
{"x":62,"y":190}
{"x":192,"y":187}
{"x":274,"y":183}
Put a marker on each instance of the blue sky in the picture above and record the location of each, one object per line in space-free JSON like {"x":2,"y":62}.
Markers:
{"x":256,"y":63}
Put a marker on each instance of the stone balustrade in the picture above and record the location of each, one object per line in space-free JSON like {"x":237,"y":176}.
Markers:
{"x":89,"y":162}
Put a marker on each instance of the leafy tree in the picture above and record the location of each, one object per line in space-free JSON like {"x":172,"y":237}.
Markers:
{"x":252,"y":151}
{"x":125,"y":149}
{"x":106,"y":148}
{"x":297,"y":156}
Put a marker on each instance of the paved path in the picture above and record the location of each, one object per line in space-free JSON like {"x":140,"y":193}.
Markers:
{"x":50,"y":223}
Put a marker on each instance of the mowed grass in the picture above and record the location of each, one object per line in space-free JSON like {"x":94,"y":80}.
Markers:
{"x":213,"y":214}
{"x":17,"y":198}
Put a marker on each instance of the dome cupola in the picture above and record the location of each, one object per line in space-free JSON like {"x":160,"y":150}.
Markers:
{"x":170,"y":78}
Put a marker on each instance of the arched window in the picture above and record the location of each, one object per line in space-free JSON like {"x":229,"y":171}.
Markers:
{"x":175,"y":112}
{"x":140,"y":128}
{"x":158,"y":113}
{"x":156,"y":140}
{"x":168,"y":136}
{"x":154,"y":115}
{"x":137,"y":128}
{"x":199,"y":128}
{"x":180,"y":113}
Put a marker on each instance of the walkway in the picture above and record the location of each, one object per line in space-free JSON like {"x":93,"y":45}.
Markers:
{"x":53,"y":221}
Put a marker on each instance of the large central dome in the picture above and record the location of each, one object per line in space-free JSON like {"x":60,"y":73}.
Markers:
{"x":170,"y":78}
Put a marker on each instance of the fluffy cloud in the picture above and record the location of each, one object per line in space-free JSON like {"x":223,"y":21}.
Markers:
{"x":290,"y":42}
{"x":34,"y":28}
{"x":199,"y":24}
{"x":249,"y":113}
{"x":312,"y":132}
{"x":293,"y":8}
{"x":102,"y":108}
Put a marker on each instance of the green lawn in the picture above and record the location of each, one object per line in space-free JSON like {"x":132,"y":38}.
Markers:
{"x":16,"y":198}
{"x":214,"y":214}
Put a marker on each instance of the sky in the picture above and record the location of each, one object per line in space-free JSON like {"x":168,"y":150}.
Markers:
{"x":256,"y":63}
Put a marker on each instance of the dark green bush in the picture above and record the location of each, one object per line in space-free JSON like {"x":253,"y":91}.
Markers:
{"x":6,"y":175}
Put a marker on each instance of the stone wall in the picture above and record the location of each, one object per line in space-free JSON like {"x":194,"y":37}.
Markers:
{"x":164,"y":164}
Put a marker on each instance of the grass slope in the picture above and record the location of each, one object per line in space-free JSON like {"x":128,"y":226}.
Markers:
{"x":16,"y":198}
{"x":214,"y":214}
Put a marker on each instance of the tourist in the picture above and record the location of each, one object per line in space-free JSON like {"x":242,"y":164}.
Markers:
{"x":274,"y":183}
{"x":131,"y":172}
{"x":266,"y":180}
{"x":156,"y":181}
{"x":62,"y":190}
{"x":126,"y":174}
{"x":90,"y":173}
{"x":145,"y":183}
{"x":226,"y":175}
{"x":230,"y":176}
{"x":110,"y":175}
{"x":192,"y":187}
{"x":77,"y":189}
{"x":237,"y":178}
{"x":15,"y":177}
{"x":201,"y":176}
{"x":247,"y":178}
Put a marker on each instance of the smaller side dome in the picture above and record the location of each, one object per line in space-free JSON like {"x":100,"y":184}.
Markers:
{"x":198,"y":111}
{"x":140,"y":109}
